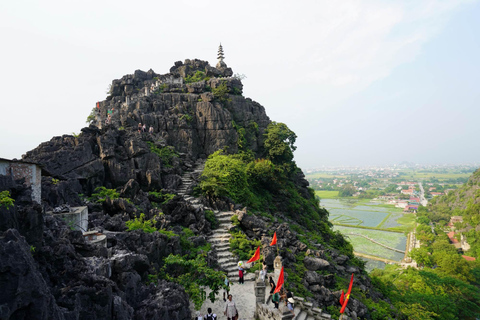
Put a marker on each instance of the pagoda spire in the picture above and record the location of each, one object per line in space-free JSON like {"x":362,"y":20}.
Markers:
{"x":220,"y":55}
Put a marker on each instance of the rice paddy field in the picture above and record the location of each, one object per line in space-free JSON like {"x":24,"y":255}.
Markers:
{"x":360,"y":244}
{"x":361,"y":213}
{"x":358,"y":218}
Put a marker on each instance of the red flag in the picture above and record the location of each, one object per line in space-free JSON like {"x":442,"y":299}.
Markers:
{"x":98,"y":105}
{"x":256,"y":256}
{"x":274,"y":240}
{"x":341,"y":298}
{"x":279,"y":282}
{"x":347,"y":296}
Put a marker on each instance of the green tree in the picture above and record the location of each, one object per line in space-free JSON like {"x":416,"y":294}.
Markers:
{"x":279,"y":142}
{"x":5,"y":199}
{"x":91,"y":116}
{"x":225,"y":176}
{"x":347,"y":190}
{"x":194,"y":275}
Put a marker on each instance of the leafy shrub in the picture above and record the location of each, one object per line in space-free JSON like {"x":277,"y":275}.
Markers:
{"x":234,"y":220}
{"x":221,"y":92}
{"x":210,"y":217}
{"x":101,"y":193}
{"x":241,"y":246}
{"x":91,"y":117}
{"x":194,"y":275}
{"x":225,"y":176}
{"x":166,"y":154}
{"x":198,"y":76}
{"x":187,"y":117}
{"x":5,"y":199}
{"x":147,"y":226}
{"x":160,"y":197}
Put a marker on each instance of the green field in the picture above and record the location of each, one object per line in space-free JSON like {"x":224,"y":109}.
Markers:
{"x":407,"y":222}
{"x":412,"y":174}
{"x":324,"y":194}
{"x":319,"y":175}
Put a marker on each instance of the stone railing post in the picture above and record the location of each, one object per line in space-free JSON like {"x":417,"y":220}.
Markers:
{"x":277,"y":265}
{"x":259,"y":289}
{"x":147,"y":91}
{"x":127,"y":100}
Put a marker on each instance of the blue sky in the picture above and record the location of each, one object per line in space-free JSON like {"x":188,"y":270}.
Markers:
{"x":360,"y":82}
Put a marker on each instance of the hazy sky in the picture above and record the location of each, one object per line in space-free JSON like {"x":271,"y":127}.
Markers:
{"x":360,"y":82}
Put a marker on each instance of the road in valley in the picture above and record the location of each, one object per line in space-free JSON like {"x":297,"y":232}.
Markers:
{"x":423,"y":201}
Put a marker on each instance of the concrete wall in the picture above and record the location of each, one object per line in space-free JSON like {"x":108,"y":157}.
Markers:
{"x":76,"y":219}
{"x":31,"y":172}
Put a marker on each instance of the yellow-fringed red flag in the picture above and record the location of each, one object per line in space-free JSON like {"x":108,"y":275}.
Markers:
{"x":274,"y":240}
{"x":256,"y":256}
{"x":347,"y":296}
{"x":279,"y":282}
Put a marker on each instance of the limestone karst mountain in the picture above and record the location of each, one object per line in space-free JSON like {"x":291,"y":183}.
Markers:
{"x":140,"y":162}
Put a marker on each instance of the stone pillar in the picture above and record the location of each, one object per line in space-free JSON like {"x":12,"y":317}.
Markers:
{"x":260,"y":289}
{"x":127,"y":100}
{"x":277,"y":265}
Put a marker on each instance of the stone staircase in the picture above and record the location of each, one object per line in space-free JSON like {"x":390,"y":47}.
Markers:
{"x":221,"y":241}
{"x":188,"y":178}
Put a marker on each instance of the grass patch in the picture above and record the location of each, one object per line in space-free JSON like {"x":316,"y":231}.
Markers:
{"x":326,"y":194}
{"x":407,"y":222}
{"x":325,"y":175}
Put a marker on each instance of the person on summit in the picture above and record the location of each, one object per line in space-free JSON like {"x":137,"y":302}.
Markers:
{"x":231,"y":309}
{"x":272,"y":285}
{"x":210,"y":315}
{"x":226,"y":290}
{"x":241,"y":272}
{"x":144,"y":128}
{"x":139,"y":128}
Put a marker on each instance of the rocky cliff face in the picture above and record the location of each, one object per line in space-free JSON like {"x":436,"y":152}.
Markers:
{"x":195,"y":119}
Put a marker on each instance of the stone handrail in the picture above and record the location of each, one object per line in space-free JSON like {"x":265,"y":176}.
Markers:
{"x":268,"y":312}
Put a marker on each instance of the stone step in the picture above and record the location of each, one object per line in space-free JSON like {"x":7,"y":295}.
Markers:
{"x":224,"y":213}
{"x":222,"y":249}
{"x":224,"y":254}
{"x":299,"y":314}
{"x":227,"y":264}
{"x":221,"y":235}
{"x":218,"y":241}
{"x":225,"y":219}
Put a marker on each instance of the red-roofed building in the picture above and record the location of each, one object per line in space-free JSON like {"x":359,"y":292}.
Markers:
{"x":468,"y":258}
{"x":453,"y":240}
